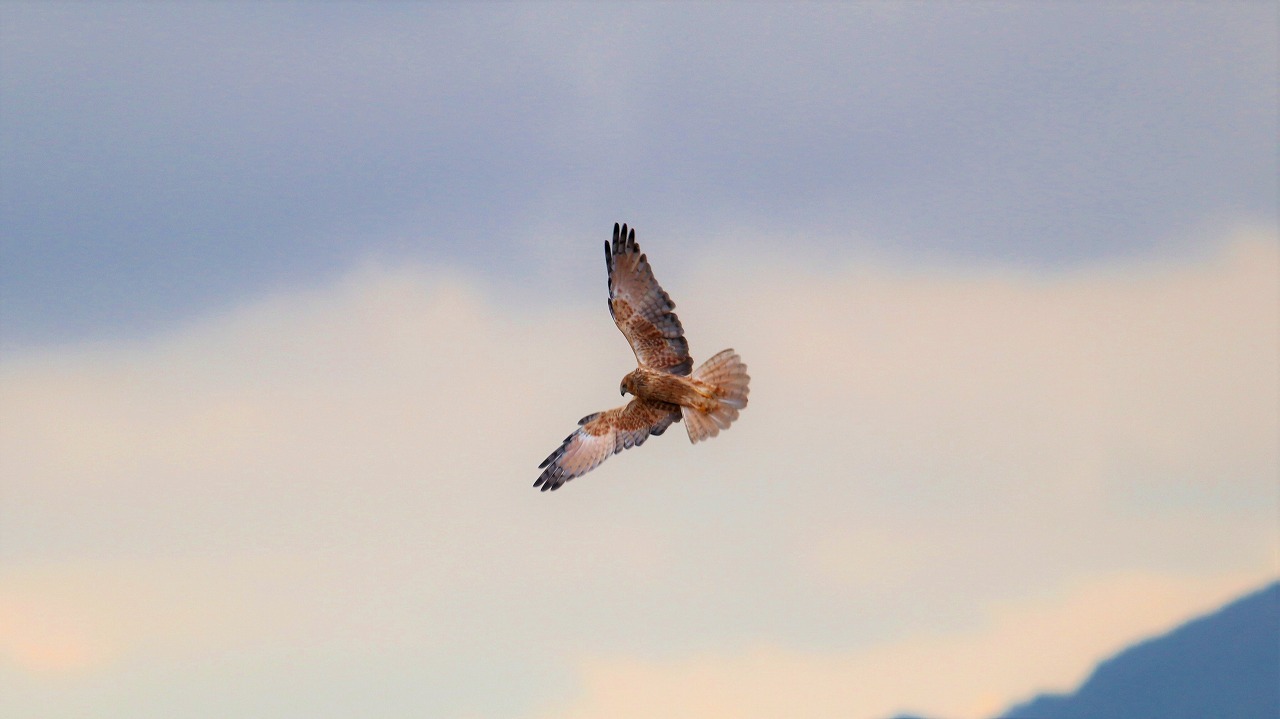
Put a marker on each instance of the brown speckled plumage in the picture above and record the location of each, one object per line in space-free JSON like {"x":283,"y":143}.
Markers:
{"x":665,"y":386}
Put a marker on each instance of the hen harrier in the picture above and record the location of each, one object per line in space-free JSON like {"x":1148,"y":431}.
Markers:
{"x":665,"y":392}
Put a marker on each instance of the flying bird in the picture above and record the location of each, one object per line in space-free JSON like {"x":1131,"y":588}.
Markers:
{"x":665,"y":386}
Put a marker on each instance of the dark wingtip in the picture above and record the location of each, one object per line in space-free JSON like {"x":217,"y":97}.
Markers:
{"x":624,"y":238}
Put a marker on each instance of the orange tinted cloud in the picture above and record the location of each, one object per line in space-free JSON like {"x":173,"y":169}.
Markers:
{"x":1048,"y":643}
{"x":927,"y":455}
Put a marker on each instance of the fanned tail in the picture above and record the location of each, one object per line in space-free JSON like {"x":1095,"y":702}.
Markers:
{"x":727,"y":378}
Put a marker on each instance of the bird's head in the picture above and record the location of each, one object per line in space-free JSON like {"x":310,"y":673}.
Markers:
{"x":627,"y":385}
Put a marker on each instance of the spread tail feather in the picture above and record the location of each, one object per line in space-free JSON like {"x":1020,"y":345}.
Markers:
{"x":726,"y":376}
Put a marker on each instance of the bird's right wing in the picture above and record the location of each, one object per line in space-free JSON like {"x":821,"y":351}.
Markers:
{"x":603,"y":434}
{"x":642,"y":309}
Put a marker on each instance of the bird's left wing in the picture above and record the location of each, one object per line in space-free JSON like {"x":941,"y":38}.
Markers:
{"x":642,"y":309}
{"x":603,"y":434}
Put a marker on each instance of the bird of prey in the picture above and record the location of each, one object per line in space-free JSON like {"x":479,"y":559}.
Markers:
{"x":665,"y":386}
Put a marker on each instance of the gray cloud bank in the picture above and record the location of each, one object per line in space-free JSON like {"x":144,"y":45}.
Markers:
{"x":162,"y":159}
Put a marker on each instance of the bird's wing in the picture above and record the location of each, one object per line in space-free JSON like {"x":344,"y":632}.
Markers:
{"x":641,"y":309}
{"x":603,"y":434}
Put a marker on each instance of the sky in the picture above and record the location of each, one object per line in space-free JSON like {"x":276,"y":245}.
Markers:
{"x":294,"y":298}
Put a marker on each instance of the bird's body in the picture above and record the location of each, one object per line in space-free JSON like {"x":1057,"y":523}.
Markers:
{"x":655,"y":386}
{"x":665,"y":386}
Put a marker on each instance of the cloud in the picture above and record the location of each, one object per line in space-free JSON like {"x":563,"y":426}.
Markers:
{"x":329,"y":490}
{"x":160,"y":162}
{"x":970,"y":674}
